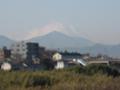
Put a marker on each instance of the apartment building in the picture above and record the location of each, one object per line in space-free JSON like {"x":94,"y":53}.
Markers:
{"x":26,"y":50}
{"x":19,"y":48}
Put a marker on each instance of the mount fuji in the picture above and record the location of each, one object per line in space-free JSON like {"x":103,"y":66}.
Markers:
{"x":55,"y":40}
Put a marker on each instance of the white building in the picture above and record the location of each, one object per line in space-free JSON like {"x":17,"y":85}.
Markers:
{"x":59,"y":65}
{"x":19,"y":48}
{"x":57,"y":57}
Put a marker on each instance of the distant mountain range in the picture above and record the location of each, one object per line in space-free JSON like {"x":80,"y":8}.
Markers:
{"x":57,"y":40}
{"x":5,"y":41}
{"x":110,"y":50}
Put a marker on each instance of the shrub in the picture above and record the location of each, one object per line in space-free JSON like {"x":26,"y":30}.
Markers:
{"x":95,"y":68}
{"x":103,"y":69}
{"x":41,"y":81}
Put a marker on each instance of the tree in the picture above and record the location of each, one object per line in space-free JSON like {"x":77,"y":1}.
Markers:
{"x":48,"y":64}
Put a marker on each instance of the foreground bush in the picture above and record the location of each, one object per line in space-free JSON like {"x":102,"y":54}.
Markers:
{"x":77,"y":78}
{"x":93,"y":69}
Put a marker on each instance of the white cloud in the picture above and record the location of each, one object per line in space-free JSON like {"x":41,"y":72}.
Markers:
{"x":47,"y":29}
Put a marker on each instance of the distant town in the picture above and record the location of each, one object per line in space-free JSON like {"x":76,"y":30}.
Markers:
{"x":30,"y":56}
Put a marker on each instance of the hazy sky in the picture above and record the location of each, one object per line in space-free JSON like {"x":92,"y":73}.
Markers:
{"x":97,"y":20}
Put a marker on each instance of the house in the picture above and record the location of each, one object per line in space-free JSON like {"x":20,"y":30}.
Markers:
{"x":70,"y":56}
{"x":67,"y":59}
{"x":59,"y":63}
{"x":97,"y":60}
{"x":57,"y":57}
{"x":71,"y":59}
{"x":74,"y":62}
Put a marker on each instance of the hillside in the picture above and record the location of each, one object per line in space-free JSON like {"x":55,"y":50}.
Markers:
{"x":5,"y":41}
{"x":57,"y":40}
{"x":110,"y":50}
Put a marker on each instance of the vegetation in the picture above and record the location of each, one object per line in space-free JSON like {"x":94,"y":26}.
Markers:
{"x":47,"y":64}
{"x":93,"y":77}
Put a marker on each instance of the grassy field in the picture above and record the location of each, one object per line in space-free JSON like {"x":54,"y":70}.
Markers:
{"x":77,"y":78}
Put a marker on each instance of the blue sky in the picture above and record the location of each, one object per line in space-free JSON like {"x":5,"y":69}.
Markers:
{"x":97,"y":20}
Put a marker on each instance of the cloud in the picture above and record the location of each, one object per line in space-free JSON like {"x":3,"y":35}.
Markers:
{"x":47,"y":29}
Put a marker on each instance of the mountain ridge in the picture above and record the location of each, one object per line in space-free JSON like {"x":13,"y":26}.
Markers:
{"x":5,"y":41}
{"x":60,"y":40}
{"x":110,"y":50}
